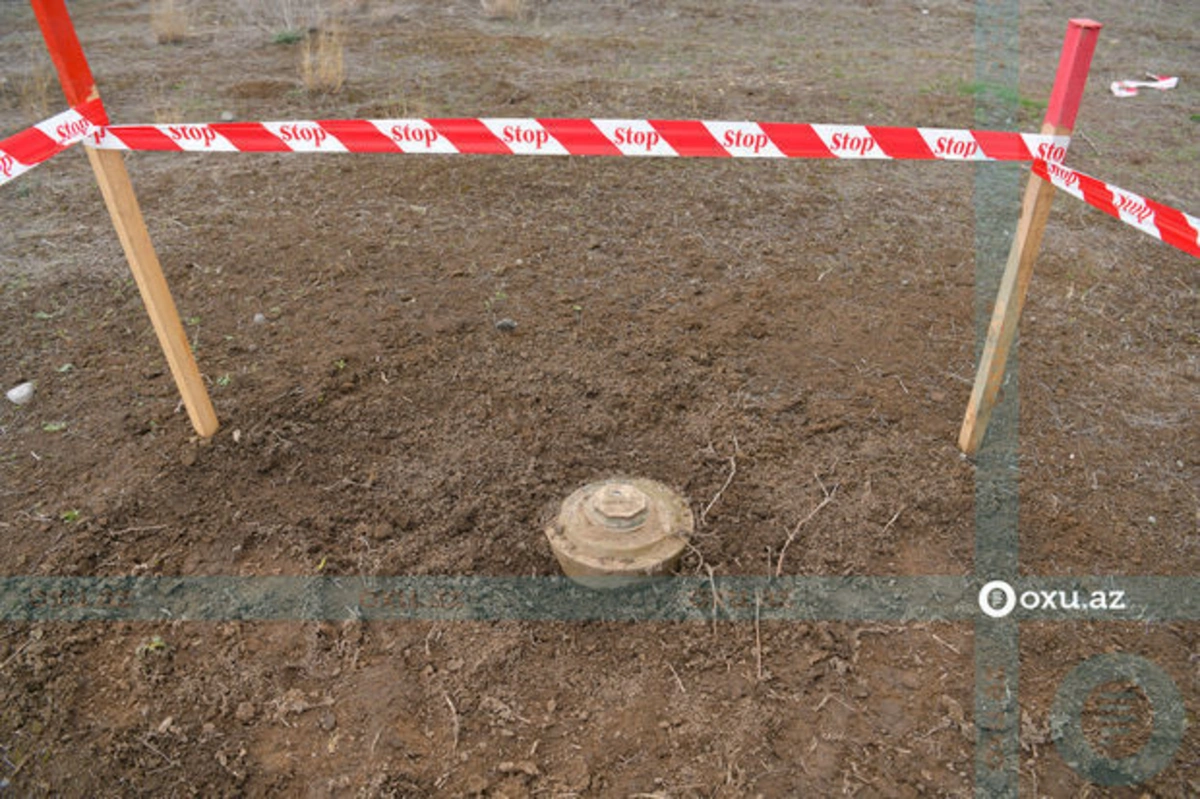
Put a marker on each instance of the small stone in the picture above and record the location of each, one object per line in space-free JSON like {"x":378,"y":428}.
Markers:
{"x":327,"y":721}
{"x":226,"y":116}
{"x":526,"y":767}
{"x":245,"y":712}
{"x":506,"y":325}
{"x":189,"y":456}
{"x":260,"y":318}
{"x":20,"y":395}
{"x":952,"y":708}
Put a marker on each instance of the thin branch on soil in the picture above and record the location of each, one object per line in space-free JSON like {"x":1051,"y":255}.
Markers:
{"x":758,"y":635}
{"x":434,"y":632}
{"x":837,"y":699}
{"x":946,"y":644}
{"x":732,"y":471}
{"x":829,"y":495}
{"x":375,"y":741}
{"x":14,"y":655}
{"x":146,"y":743}
{"x":678,"y":681}
{"x":699,"y":555}
{"x":892,"y":521}
{"x":945,"y":724}
{"x":712,"y":584}
{"x":147,"y":529}
{"x":453,"y":720}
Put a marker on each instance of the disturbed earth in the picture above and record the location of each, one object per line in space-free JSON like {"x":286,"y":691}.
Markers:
{"x":415,"y":359}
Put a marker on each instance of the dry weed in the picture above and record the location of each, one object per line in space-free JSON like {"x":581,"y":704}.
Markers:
{"x":167,"y":114}
{"x":276,"y":16}
{"x":505,"y":9}
{"x":323,"y":64}
{"x":33,"y":88}
{"x":169,"y":20}
{"x":164,"y":104}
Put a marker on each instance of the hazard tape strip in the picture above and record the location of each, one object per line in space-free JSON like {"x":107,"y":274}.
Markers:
{"x":25,"y":150}
{"x":614,"y":137}
{"x":1160,"y":221}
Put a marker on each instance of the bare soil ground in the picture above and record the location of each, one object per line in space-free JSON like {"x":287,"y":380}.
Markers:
{"x":813,"y":322}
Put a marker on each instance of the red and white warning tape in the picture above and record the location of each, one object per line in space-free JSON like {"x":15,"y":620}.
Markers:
{"x":614,"y":137}
{"x":1160,"y":221}
{"x":632,"y":137}
{"x":1129,"y":88}
{"x":25,"y":150}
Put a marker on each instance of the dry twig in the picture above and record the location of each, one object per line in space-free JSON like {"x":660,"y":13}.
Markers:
{"x":170,"y":760}
{"x":829,"y":495}
{"x":678,"y":681}
{"x":728,"y":480}
{"x":758,"y":634}
{"x":716,"y":601}
{"x":892,"y":521}
{"x":453,"y":720}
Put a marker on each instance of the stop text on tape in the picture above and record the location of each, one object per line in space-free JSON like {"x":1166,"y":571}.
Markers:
{"x":1153,"y":218}
{"x":589,"y":137}
{"x":25,"y":150}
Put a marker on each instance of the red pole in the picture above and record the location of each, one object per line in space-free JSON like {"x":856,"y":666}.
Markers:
{"x":1073,"y":65}
{"x":73,"y":71}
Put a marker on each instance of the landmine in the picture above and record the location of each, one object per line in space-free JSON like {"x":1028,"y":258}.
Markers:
{"x":619,"y":532}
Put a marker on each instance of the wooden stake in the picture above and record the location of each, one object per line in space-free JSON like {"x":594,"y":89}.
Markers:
{"x":109,"y":168}
{"x":1073,"y":65}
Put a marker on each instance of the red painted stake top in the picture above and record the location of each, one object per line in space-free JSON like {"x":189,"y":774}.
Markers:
{"x":1073,"y":66}
{"x":63,"y":44}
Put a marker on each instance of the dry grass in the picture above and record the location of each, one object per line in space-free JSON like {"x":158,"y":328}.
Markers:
{"x":505,"y":9}
{"x":283,"y":16}
{"x":322,"y":60}
{"x":167,"y":113}
{"x":169,"y":20}
{"x":33,"y":87}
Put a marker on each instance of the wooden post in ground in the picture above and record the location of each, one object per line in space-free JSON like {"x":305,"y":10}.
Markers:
{"x":1073,"y":67}
{"x":109,"y":167}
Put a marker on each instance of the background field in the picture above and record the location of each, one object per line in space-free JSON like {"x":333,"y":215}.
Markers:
{"x":812,"y":323}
